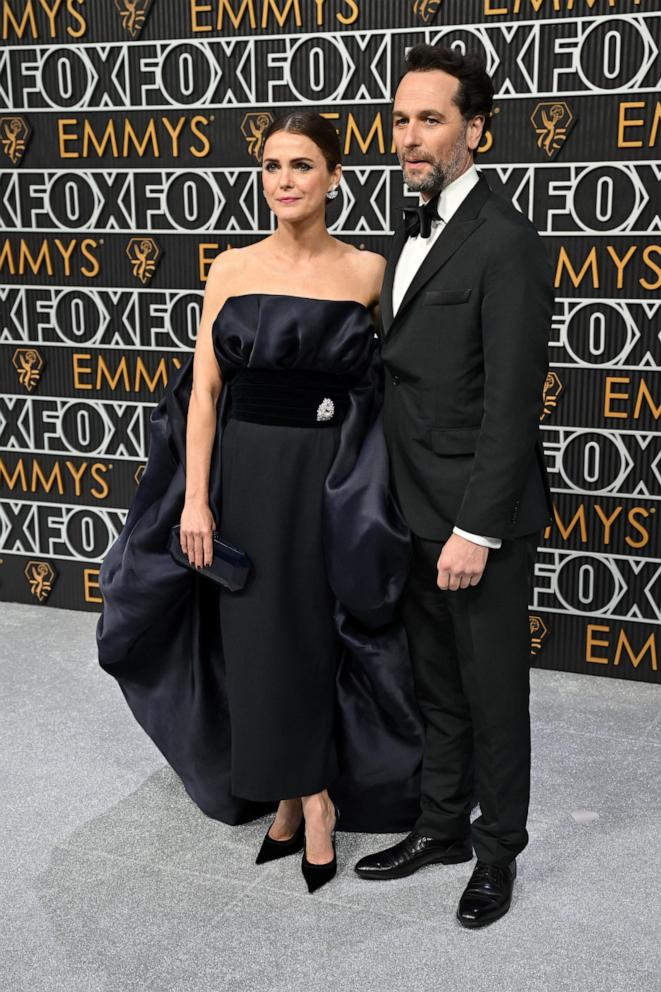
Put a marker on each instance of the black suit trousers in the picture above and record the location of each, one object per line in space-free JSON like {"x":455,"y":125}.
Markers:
{"x":471,"y":661}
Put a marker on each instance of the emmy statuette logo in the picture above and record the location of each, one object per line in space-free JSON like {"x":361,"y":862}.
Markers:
{"x":29,"y":364}
{"x":133,"y":14}
{"x":143,"y":254}
{"x":41,"y":578}
{"x":538,"y":634}
{"x":552,"y":389}
{"x":14,"y":136}
{"x":253,"y":127}
{"x":427,"y":9}
{"x":552,"y":122}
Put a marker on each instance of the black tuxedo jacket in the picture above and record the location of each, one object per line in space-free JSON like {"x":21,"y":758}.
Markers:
{"x":465,"y":361}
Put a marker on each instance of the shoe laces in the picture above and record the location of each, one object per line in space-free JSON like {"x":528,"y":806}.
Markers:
{"x":485,"y":876}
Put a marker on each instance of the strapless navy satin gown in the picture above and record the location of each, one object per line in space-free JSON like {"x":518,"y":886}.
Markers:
{"x":302,"y":680}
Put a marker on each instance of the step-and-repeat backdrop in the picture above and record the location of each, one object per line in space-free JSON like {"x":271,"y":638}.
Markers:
{"x":130,"y":136}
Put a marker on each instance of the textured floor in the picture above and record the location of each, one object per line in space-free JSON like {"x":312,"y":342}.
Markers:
{"x":112,"y":880}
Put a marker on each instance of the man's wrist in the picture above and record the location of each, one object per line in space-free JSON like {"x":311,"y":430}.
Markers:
{"x":485,"y":542}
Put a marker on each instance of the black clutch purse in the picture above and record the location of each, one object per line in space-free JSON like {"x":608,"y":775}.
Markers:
{"x":230,"y":567}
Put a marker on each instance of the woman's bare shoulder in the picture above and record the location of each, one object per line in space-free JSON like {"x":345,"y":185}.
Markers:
{"x":365,"y":261}
{"x":229,"y":264}
{"x":367,"y":268}
{"x":374,"y":261}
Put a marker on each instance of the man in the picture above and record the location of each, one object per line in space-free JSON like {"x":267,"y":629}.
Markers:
{"x":466,"y":308}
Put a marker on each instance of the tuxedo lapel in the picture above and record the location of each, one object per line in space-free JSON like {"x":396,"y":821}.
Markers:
{"x":448,"y":242}
{"x":460,"y":227}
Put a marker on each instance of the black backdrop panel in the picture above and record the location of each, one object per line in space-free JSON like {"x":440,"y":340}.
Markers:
{"x":130,"y":137}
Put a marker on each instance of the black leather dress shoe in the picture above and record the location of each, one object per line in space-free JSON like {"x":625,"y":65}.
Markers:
{"x":414,"y":852}
{"x":488,"y":895}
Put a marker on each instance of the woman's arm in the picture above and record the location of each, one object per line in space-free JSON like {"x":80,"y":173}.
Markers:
{"x":376,"y":267}
{"x":197,"y":523}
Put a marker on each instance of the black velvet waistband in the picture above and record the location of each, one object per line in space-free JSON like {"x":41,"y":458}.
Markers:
{"x":295,"y":398}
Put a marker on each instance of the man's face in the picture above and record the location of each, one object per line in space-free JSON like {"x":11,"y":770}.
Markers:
{"x":434,"y":142}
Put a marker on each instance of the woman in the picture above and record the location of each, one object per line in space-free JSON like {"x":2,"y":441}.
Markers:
{"x":299,"y":683}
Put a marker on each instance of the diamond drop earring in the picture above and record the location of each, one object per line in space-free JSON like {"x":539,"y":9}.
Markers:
{"x":332,"y":193}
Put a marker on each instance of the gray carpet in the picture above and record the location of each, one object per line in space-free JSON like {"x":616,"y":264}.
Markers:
{"x":113,"y":880}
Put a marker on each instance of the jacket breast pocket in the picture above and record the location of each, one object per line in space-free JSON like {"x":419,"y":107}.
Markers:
{"x":453,"y":440}
{"x":443,"y":297}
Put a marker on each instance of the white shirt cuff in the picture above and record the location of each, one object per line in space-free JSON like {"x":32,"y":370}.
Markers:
{"x":486,"y":542}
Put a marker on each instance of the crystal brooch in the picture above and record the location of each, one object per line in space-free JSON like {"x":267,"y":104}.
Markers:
{"x":325,"y":410}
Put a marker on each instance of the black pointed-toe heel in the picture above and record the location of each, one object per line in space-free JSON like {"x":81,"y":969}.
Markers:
{"x":318,"y":875}
{"x":271,"y":849}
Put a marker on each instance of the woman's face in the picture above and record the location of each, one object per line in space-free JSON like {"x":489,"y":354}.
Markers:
{"x":295,"y":176}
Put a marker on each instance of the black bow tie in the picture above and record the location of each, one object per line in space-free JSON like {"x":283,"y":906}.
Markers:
{"x":418,"y":219}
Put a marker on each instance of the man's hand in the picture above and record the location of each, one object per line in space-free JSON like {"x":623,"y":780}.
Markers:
{"x":461,"y":563}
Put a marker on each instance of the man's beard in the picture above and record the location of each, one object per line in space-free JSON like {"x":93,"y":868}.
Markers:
{"x":441,"y":174}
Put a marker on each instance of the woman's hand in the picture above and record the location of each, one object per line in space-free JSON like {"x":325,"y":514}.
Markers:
{"x":197,"y":527}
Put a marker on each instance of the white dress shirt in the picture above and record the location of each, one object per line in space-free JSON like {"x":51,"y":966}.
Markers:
{"x":413,"y":254}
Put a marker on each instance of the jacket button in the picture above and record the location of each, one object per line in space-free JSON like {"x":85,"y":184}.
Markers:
{"x":395,"y":380}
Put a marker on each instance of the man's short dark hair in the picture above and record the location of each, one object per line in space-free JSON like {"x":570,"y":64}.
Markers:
{"x":475,"y":91}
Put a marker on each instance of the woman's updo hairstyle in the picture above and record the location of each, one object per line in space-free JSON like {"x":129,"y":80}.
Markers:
{"x":313,"y":126}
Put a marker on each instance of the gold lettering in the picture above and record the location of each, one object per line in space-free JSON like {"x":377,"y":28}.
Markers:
{"x":161,"y":374}
{"x":577,"y":519}
{"x":25,"y":255}
{"x":656,"y":123}
{"x":281,"y":15}
{"x":69,"y":135}
{"x":77,"y":475}
{"x":9,"y":19}
{"x":79,"y":370}
{"x":620,"y":263}
{"x":108,"y":137}
{"x":91,"y":582}
{"x":200,"y":121}
{"x":610,"y":396}
{"x":623,"y":123}
{"x":19,"y":474}
{"x":174,"y":133}
{"x":645,"y":395}
{"x":635,"y":659}
{"x":199,"y":8}
{"x":486,"y":143}
{"x":204,"y":260}
{"x":226,"y":7}
{"x":592,"y":642}
{"x":78,"y":17}
{"x":85,"y":247}
{"x":376,"y":131}
{"x":66,"y":253}
{"x":576,"y":278}
{"x":39,"y":479}
{"x":634,"y":513}
{"x":121,"y":372}
{"x":7,"y":256}
{"x":607,"y":521}
{"x":98,"y":471}
{"x":536,"y":5}
{"x":647,"y":252}
{"x":355,"y":13}
{"x":149,"y":135}
{"x":51,"y":14}
{"x":522,"y":6}
{"x":63,"y":137}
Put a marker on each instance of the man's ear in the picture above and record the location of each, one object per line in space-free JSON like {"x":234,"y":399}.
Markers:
{"x":475,"y":131}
